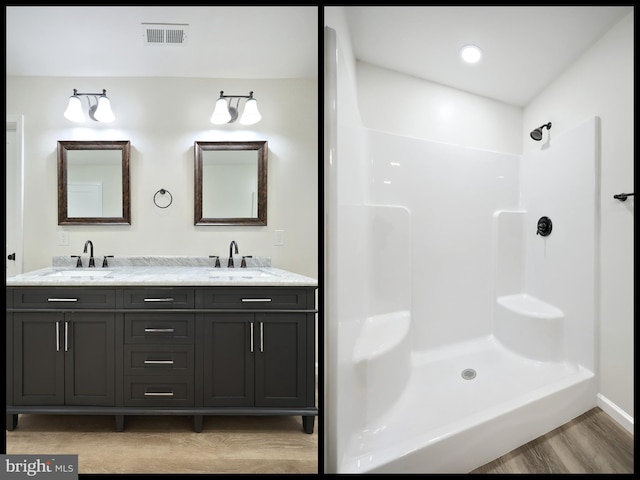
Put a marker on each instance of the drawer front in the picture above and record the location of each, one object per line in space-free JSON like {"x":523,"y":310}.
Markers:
{"x":158,"y":392}
{"x":262,"y":298}
{"x":64,"y":298}
{"x":158,"y":360}
{"x":159,"y":328}
{"x":159,"y":298}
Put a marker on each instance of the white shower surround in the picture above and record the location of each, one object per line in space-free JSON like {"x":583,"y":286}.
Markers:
{"x":459,"y":235}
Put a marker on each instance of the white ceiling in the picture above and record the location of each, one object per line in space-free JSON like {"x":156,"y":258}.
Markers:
{"x":525,"y":48}
{"x":107,"y":41}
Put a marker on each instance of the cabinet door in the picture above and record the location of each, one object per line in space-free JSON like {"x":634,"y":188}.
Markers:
{"x":89,"y":343}
{"x":38,"y":359}
{"x":228,"y":359}
{"x":280,"y":368}
{"x":64,"y":358}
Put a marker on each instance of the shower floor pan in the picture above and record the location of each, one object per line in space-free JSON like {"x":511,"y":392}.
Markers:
{"x":464,"y":406}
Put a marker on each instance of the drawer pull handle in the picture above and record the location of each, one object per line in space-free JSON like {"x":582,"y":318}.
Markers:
{"x":158,"y":330}
{"x":62,"y":299}
{"x":169,"y":299}
{"x":158,"y":362}
{"x":256,"y":299}
{"x":158,"y":394}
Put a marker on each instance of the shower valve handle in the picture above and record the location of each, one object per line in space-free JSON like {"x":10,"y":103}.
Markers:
{"x":544,"y":226}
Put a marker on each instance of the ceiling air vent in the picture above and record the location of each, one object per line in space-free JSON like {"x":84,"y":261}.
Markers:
{"x":165,"y":33}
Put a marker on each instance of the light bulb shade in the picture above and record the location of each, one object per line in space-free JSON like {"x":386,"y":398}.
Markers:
{"x":74,"y":110}
{"x":251,"y":114}
{"x":221,"y":113}
{"x":103,"y":111}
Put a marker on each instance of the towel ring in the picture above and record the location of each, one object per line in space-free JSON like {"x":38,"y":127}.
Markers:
{"x":162,"y":191}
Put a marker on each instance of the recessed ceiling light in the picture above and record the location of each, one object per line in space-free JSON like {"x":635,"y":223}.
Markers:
{"x":471,"y":54}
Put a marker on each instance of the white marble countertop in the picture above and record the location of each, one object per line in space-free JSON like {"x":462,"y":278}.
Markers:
{"x":166,"y":272}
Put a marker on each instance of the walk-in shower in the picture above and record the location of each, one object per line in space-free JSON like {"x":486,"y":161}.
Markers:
{"x":454,"y":332}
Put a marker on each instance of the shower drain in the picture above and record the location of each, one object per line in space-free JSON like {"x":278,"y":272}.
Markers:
{"x":468,"y":374}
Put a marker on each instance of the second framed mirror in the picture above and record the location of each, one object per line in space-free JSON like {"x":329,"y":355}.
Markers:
{"x":230,"y":183}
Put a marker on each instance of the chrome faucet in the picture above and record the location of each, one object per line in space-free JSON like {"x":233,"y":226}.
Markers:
{"x":92,"y":262}
{"x":233,"y":244}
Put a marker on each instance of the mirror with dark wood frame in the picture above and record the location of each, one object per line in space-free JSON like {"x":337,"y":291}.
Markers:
{"x":230,"y":183}
{"x":93,"y":182}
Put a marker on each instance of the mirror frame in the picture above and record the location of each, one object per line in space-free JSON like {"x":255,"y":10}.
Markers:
{"x":261,"y":148}
{"x":64,"y":146}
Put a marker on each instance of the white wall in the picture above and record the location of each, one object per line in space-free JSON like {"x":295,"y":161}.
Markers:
{"x":601,"y":83}
{"x":163,"y":117}
{"x":560,"y":181}
{"x":451,"y":193}
{"x":405,"y":105}
{"x":342,"y":220}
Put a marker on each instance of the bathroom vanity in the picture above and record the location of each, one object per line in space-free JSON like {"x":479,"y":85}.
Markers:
{"x":176,"y":340}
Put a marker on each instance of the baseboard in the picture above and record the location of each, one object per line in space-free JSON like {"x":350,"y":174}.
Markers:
{"x":615,"y":412}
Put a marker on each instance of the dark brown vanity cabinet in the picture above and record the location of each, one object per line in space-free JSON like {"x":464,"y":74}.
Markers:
{"x":259,"y":350}
{"x":161,"y":350}
{"x":60,"y":353}
{"x":64,"y":358}
{"x":255,"y":360}
{"x":159,"y":347}
{"x":159,"y":359}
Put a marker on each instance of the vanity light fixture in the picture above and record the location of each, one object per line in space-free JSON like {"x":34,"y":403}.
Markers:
{"x":100,"y":111}
{"x":224,"y":112}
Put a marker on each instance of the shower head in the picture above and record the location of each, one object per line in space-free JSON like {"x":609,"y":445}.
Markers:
{"x":537,"y":133}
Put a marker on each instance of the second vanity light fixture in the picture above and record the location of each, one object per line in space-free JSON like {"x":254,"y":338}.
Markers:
{"x":100,"y":111}
{"x":224,"y":112}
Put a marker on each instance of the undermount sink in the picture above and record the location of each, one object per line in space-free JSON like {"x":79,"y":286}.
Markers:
{"x":79,"y":273}
{"x":238,"y":273}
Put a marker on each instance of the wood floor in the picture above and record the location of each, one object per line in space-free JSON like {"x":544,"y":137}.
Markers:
{"x":159,"y":444}
{"x":167,"y":444}
{"x":590,"y":443}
